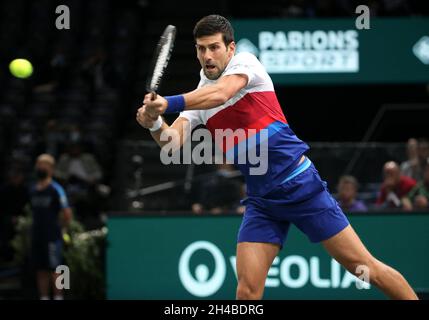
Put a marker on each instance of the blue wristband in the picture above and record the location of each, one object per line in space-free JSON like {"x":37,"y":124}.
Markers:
{"x":175,"y":104}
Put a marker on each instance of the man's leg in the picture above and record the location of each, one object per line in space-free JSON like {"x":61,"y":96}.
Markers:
{"x":43,"y":284}
{"x":254,"y":259}
{"x":58,"y":293}
{"x":349,"y":251}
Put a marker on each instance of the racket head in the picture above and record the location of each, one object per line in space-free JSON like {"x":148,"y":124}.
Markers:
{"x":161,"y":58}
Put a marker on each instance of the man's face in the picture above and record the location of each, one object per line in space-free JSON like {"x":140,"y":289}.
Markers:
{"x":214,"y":55}
{"x":392,"y":176}
{"x":45,"y":166}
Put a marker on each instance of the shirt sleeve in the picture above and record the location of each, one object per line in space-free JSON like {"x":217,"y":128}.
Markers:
{"x":193,"y":116}
{"x":64,"y":203}
{"x":245,"y":63}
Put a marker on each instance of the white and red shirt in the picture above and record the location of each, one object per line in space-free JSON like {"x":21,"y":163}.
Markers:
{"x":253,"y":108}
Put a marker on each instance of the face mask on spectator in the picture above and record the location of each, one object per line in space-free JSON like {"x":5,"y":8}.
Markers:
{"x":41,"y":174}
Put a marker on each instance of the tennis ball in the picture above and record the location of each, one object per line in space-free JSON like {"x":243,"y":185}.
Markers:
{"x":66,"y":238}
{"x":21,"y":68}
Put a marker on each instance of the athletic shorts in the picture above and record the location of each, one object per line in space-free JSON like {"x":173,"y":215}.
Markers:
{"x":47,"y":255}
{"x":302,"y":199}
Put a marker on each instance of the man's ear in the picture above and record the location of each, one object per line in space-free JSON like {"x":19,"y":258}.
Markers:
{"x":231,"y":46}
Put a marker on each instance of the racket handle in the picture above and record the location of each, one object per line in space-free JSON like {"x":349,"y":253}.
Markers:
{"x":154,"y":95}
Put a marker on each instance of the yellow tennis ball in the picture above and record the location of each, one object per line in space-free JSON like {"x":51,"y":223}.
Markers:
{"x":66,"y":238}
{"x":21,"y":68}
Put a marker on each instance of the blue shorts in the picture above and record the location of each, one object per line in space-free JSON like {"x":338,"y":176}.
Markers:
{"x":47,"y":255}
{"x":302,"y":199}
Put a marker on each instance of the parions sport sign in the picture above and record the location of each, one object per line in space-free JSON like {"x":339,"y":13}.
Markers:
{"x":306,"y":51}
{"x":333,"y":51}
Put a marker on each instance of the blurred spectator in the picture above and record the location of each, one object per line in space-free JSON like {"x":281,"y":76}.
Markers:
{"x":54,"y":75}
{"x":423,"y":153}
{"x":78,"y":165}
{"x":296,"y":9}
{"x":418,"y":155}
{"x":51,"y":212}
{"x":395,"y":187}
{"x":219,"y":193}
{"x":74,"y":134}
{"x":419,"y":196}
{"x":411,"y":167}
{"x":13,"y":199}
{"x":347,"y":192}
{"x":81,"y":174}
{"x":98,"y":72}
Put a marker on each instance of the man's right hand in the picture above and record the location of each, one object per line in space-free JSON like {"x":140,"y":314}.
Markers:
{"x":144,"y":119}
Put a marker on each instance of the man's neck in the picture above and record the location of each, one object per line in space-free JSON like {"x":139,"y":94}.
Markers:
{"x":44,"y":183}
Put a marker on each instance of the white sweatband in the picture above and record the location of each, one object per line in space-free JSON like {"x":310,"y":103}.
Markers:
{"x":157,"y":124}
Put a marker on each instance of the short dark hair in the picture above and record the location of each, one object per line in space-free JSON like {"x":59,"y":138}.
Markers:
{"x":212,"y":24}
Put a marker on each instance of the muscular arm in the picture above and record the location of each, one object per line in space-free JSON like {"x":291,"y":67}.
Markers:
{"x":203,"y":98}
{"x":214,"y":95}
{"x":206,"y":97}
{"x":179,"y":130}
{"x":66,"y":216}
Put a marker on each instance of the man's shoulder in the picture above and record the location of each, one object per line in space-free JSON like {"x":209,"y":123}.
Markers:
{"x":58,"y":188}
{"x":244,"y":59}
{"x":245,"y":56}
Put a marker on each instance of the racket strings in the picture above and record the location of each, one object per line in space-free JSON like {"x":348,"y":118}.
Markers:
{"x":161,"y":61}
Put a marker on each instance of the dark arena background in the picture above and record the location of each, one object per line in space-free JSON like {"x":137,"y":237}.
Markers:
{"x":357,"y":94}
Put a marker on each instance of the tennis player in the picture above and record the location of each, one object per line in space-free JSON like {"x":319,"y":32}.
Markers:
{"x":235,"y":92}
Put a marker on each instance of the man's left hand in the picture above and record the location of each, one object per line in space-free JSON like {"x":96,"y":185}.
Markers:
{"x":155,"y":107}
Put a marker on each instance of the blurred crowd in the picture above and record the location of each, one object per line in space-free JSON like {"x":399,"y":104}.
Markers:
{"x":404,"y":186}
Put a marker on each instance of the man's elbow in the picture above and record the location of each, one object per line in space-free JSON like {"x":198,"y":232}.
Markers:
{"x":220,"y":97}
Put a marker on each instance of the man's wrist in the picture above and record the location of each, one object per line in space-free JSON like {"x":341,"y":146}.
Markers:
{"x":175,"y":104}
{"x":157,"y":124}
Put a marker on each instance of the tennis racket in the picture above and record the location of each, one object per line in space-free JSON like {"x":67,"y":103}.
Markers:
{"x":160,"y":60}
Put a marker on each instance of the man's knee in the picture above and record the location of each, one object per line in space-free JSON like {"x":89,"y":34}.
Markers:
{"x":370,"y":269}
{"x":247,"y":291}
{"x":381,"y":273}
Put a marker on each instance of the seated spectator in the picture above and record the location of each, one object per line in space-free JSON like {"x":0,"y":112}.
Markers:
{"x":419,"y":196}
{"x":423,"y":153}
{"x":410,"y":167}
{"x":81,"y":173}
{"x":395,"y":187}
{"x":347,"y":191}
{"x":78,"y":165}
{"x":418,"y":154}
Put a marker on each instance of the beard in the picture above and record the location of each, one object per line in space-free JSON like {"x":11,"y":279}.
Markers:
{"x":212,"y":74}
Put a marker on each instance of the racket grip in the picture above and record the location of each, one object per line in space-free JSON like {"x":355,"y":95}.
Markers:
{"x":154,"y":95}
